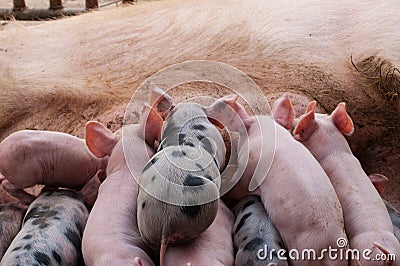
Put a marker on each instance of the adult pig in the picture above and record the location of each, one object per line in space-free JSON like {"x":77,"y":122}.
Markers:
{"x":11,"y":215}
{"x":51,"y":232}
{"x":212,"y":247}
{"x":367,"y":221}
{"x":31,"y":157}
{"x":181,"y":181}
{"x":253,"y":231}
{"x":296,"y":192}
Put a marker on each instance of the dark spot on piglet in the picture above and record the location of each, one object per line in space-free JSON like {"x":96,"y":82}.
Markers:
{"x":80,"y":227}
{"x":199,"y":127}
{"x":242,"y":221}
{"x":28,"y":236}
{"x":191,"y":211}
{"x":43,"y":225}
{"x":191,"y":180}
{"x":16,"y":248}
{"x":41,"y":258}
{"x":56,"y":256}
{"x":189,"y":144}
{"x":254,"y":244}
{"x":143,"y":204}
{"x":207,"y":146}
{"x":200,"y":137}
{"x":27,"y":246}
{"x":250,"y":202}
{"x":30,"y":214}
{"x":74,"y":238}
{"x":181,"y":138}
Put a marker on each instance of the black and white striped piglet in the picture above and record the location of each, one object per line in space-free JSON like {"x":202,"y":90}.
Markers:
{"x":11,"y":215}
{"x":255,"y":238}
{"x":51,"y":231}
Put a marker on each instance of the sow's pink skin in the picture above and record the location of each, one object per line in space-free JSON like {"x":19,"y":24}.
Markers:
{"x":112,"y":236}
{"x":367,"y":221}
{"x":56,"y":159}
{"x":212,"y":247}
{"x":296,"y":192}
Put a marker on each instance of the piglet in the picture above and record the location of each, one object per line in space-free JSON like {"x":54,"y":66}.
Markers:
{"x":31,"y":157}
{"x":212,"y":247}
{"x":179,"y":187}
{"x":296,"y":192}
{"x":255,"y":237}
{"x":112,"y":236}
{"x":11,"y":215}
{"x":379,"y":181}
{"x":51,"y":230}
{"x":366,"y":219}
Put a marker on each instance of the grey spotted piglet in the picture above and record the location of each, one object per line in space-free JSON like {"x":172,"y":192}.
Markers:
{"x":11,"y":215}
{"x":179,"y":187}
{"x":379,"y":181}
{"x":255,"y":237}
{"x":31,"y":157}
{"x":51,"y":230}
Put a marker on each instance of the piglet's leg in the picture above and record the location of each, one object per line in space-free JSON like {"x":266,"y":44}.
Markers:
{"x":18,"y":192}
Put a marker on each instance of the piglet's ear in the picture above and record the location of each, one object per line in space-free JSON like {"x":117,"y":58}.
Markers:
{"x":160,"y":100}
{"x":283,"y":112}
{"x":151,"y":124}
{"x":99,"y":139}
{"x":311,"y":106}
{"x":342,"y":120}
{"x":379,"y":181}
{"x":307,"y":125}
{"x":231,"y":100}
